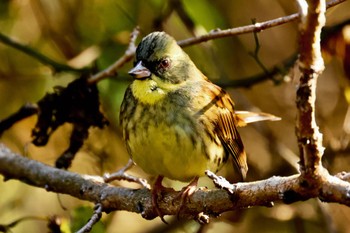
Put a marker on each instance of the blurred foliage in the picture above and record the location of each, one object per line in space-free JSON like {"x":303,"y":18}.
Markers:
{"x":95,"y":33}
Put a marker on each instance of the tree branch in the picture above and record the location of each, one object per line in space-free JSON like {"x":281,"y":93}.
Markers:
{"x":256,"y":27}
{"x":96,"y":216}
{"x":215,"y":34}
{"x":57,"y":67}
{"x":203,"y":201}
{"x":112,"y":69}
{"x":311,"y":66}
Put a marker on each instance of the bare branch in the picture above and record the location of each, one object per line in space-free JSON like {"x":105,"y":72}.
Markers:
{"x":122,"y":175}
{"x":202,"y":202}
{"x":311,"y":65}
{"x":7,"y":227}
{"x":112,"y":69}
{"x":256,"y":27}
{"x":25,"y":111}
{"x":57,"y":67}
{"x":93,"y":220}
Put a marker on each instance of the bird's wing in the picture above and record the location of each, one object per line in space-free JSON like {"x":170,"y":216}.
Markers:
{"x":127,"y":110}
{"x":227,"y":132}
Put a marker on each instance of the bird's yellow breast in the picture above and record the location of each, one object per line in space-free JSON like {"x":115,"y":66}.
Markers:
{"x":147,"y":91}
{"x":168,"y":142}
{"x":169,"y":151}
{"x":170,"y":139}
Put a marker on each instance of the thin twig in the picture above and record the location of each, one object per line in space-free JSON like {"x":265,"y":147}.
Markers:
{"x":25,"y":111}
{"x":255,"y":54}
{"x":122,"y":175}
{"x":221,"y":182}
{"x":96,"y":216}
{"x":112,"y":69}
{"x":280,"y":69}
{"x":7,"y":227}
{"x":57,"y":67}
{"x":257,"y":27}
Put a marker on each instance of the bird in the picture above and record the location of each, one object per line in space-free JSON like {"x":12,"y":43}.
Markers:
{"x":176,"y":123}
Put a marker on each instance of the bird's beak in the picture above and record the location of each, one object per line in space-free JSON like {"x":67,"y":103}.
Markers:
{"x":139,"y":71}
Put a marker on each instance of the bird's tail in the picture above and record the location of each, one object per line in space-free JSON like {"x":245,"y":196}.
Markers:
{"x":246,"y":117}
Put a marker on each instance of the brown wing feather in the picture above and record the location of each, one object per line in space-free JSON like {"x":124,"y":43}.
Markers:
{"x":228,"y":134}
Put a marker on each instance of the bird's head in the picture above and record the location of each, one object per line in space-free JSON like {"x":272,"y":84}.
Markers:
{"x":160,"y":58}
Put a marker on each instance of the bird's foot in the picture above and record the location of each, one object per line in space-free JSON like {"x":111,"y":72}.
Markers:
{"x":185,"y":193}
{"x":157,"y":191}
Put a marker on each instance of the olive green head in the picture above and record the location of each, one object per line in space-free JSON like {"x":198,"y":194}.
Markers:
{"x":158,"y":54}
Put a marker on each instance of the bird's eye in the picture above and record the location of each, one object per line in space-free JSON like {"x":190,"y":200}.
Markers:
{"x":164,"y":63}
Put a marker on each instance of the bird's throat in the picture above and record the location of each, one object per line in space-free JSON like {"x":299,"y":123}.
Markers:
{"x":147,"y":91}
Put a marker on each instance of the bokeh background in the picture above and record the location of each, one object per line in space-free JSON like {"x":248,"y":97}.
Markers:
{"x":96,"y":33}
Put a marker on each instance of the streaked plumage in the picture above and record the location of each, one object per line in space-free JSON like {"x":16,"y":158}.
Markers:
{"x":176,"y":123}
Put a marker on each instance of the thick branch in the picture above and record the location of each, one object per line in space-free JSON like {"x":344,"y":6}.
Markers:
{"x":311,"y":65}
{"x":211,"y":202}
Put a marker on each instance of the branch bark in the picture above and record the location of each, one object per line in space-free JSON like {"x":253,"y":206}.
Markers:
{"x":203,"y":201}
{"x":312,"y":19}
